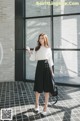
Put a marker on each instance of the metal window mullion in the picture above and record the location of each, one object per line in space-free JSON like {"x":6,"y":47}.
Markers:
{"x":58,"y":15}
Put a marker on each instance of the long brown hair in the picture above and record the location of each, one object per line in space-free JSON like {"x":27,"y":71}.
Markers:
{"x":45,"y":41}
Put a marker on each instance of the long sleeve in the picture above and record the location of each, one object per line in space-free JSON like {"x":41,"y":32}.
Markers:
{"x":32,"y":56}
{"x":50,"y":60}
{"x":42,"y":54}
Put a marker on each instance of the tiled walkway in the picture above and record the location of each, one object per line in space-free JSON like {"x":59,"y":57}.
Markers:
{"x":20,"y":97}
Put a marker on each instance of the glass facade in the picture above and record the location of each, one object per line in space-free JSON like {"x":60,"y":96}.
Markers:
{"x":33,"y":8}
{"x":33,"y":28}
{"x":66,"y":32}
{"x":66,"y":6}
{"x":67,"y":63}
{"x":36,"y":26}
{"x":59,"y":19}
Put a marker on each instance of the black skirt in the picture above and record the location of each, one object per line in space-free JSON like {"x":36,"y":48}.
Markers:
{"x":43,"y":77}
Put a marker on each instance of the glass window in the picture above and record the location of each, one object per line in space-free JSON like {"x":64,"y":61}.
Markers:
{"x":33,"y":28}
{"x":66,"y":6}
{"x":66,"y":63}
{"x":67,"y":66}
{"x":66,"y":32}
{"x":37,"y":8}
{"x":30,"y":68}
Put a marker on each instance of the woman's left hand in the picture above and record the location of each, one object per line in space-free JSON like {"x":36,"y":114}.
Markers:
{"x":52,"y":74}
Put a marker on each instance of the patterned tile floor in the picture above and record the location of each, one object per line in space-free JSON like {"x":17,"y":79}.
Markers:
{"x":20,"y":97}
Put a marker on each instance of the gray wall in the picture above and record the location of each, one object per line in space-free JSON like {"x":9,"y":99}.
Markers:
{"x":7,"y":40}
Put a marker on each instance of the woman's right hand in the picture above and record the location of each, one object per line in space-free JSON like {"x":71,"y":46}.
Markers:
{"x":28,"y":49}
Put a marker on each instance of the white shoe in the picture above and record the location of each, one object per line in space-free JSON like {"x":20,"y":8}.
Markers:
{"x":37,"y":109}
{"x":44,"y":113}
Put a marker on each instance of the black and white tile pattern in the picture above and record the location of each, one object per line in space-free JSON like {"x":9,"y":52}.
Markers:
{"x":20,"y":97}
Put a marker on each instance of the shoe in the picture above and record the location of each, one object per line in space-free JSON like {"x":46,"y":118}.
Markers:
{"x":37,"y":109}
{"x":44,"y":113}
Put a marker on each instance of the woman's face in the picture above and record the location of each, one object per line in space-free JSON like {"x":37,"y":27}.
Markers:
{"x":41,"y":40}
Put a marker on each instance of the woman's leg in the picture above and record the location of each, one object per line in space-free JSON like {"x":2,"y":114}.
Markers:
{"x":46,"y":101}
{"x":37,"y":99}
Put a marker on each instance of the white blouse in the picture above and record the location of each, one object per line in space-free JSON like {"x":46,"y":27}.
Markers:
{"x":42,"y":54}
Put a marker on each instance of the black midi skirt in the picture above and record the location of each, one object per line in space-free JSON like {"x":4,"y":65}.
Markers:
{"x":43,"y":77}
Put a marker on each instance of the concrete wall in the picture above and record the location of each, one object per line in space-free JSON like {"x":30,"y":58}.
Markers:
{"x":7,"y":40}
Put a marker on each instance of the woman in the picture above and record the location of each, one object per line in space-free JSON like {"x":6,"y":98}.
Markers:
{"x":43,"y":54}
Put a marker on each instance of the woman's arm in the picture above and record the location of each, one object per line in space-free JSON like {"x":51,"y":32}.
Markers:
{"x":28,"y":49}
{"x":31,"y":53}
{"x":51,"y":64}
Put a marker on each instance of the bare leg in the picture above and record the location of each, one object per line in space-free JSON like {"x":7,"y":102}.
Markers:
{"x":37,"y":99}
{"x":46,"y":101}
